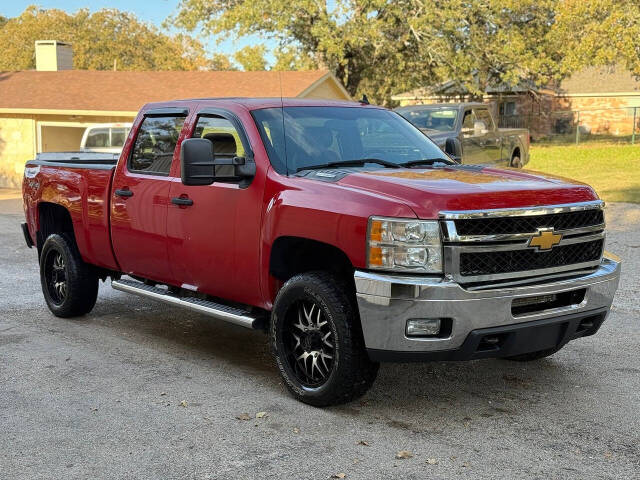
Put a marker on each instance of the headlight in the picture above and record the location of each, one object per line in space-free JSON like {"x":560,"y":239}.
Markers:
{"x":404,"y":245}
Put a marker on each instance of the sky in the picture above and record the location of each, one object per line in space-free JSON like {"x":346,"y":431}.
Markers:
{"x":152,"y":11}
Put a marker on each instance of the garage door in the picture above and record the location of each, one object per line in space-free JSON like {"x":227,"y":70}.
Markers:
{"x":61,"y":139}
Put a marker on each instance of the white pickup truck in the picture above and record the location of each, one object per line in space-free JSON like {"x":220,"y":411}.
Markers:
{"x":105,"y":137}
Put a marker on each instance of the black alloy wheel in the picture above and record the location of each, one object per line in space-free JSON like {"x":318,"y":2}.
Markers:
{"x":308,"y":344}
{"x":55,"y":276}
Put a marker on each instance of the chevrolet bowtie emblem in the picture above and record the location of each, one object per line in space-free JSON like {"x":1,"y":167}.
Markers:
{"x":545,"y":239}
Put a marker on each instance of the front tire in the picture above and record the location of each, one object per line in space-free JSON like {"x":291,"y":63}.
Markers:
{"x":69,"y":285}
{"x":317,"y":341}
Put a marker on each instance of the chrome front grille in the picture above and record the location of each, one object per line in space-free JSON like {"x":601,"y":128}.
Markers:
{"x":490,"y":245}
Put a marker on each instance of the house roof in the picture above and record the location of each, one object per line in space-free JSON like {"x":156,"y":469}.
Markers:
{"x":599,"y":80}
{"x":109,"y":91}
{"x":455,"y":89}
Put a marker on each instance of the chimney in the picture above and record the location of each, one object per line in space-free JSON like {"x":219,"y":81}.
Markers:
{"x":52,"y":55}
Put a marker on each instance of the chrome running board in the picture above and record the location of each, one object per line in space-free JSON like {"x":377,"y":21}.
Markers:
{"x":216,"y":310}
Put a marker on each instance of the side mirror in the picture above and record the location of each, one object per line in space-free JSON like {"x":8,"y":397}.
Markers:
{"x":200,"y":166}
{"x":197,"y":162}
{"x":453,"y":148}
{"x":479,"y":128}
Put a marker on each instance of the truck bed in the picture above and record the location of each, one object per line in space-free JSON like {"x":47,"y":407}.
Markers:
{"x":80,"y":182}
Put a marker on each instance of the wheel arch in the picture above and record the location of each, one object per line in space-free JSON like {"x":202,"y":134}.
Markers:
{"x":52,"y":218}
{"x":291,"y":255}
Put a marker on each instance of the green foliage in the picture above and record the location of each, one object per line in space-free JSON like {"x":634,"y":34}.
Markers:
{"x":219,"y":61}
{"x":597,"y":32}
{"x":292,"y":58}
{"x":381,"y":47}
{"x":98,"y":39}
{"x":251,"y":58}
{"x":356,"y":40}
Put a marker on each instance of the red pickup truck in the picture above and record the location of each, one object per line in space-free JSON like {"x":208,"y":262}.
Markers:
{"x":338,"y":227}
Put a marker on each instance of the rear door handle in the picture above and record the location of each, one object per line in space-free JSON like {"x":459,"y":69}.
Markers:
{"x":124,"y":193}
{"x":182,"y":201}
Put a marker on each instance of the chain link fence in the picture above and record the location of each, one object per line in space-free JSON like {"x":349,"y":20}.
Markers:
{"x":615,"y":125}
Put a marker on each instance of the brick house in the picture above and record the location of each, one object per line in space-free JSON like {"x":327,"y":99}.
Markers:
{"x":49,"y":108}
{"x":601,"y":100}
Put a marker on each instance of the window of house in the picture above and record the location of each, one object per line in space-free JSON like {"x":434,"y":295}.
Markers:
{"x":155,"y":145}
{"x":507,"y":108}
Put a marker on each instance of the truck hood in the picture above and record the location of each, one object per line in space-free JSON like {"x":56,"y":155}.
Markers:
{"x":469,"y":187}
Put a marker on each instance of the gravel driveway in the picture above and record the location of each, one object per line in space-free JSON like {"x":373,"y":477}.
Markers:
{"x":140,"y":390}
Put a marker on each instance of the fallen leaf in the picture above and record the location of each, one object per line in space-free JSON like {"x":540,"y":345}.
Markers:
{"x":243,"y":416}
{"x":432,"y":461}
{"x":403,"y":454}
{"x":363,"y":443}
{"x":339,"y":475}
{"x":296,"y":430}
{"x":183,"y":403}
{"x":163,"y":394}
{"x":262,"y":414}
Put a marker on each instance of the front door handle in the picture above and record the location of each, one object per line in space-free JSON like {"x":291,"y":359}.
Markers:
{"x":182,"y":201}
{"x":124,"y":193}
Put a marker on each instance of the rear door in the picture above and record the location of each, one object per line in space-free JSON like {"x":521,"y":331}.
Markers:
{"x":140,"y":196}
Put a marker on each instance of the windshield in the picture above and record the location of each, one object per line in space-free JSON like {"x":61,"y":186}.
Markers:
{"x":441,"y":119}
{"x":315,"y":136}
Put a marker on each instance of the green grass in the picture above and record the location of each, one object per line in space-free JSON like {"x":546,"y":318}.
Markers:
{"x":613,"y":170}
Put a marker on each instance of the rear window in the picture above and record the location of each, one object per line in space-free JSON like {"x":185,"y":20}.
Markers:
{"x":97,"y":138}
{"x":155,"y":144}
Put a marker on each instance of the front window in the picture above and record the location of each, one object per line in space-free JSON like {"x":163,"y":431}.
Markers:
{"x":439,"y":119}
{"x":305,"y":137}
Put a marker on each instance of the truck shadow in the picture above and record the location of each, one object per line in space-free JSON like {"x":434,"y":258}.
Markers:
{"x":454,"y":389}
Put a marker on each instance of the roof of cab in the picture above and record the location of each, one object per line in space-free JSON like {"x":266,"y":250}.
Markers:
{"x":251,"y":103}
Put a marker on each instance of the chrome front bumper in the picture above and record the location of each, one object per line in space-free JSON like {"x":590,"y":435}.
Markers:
{"x":387,"y":301}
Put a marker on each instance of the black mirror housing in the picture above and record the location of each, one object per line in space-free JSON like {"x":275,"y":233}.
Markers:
{"x":197,"y":162}
{"x":453,"y":148}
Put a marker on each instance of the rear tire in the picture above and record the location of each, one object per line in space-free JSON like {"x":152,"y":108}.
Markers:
{"x":317,"y":341}
{"x":530,"y":357}
{"x":69,"y":285}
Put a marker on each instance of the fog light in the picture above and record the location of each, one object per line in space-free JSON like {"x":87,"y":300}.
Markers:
{"x":423,"y":327}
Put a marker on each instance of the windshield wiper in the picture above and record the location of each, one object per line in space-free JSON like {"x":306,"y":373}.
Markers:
{"x":350,"y":163}
{"x":427,"y":161}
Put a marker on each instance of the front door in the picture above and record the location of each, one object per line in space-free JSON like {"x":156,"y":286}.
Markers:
{"x":214,"y":230}
{"x":140,"y":197}
{"x":489,"y":140}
